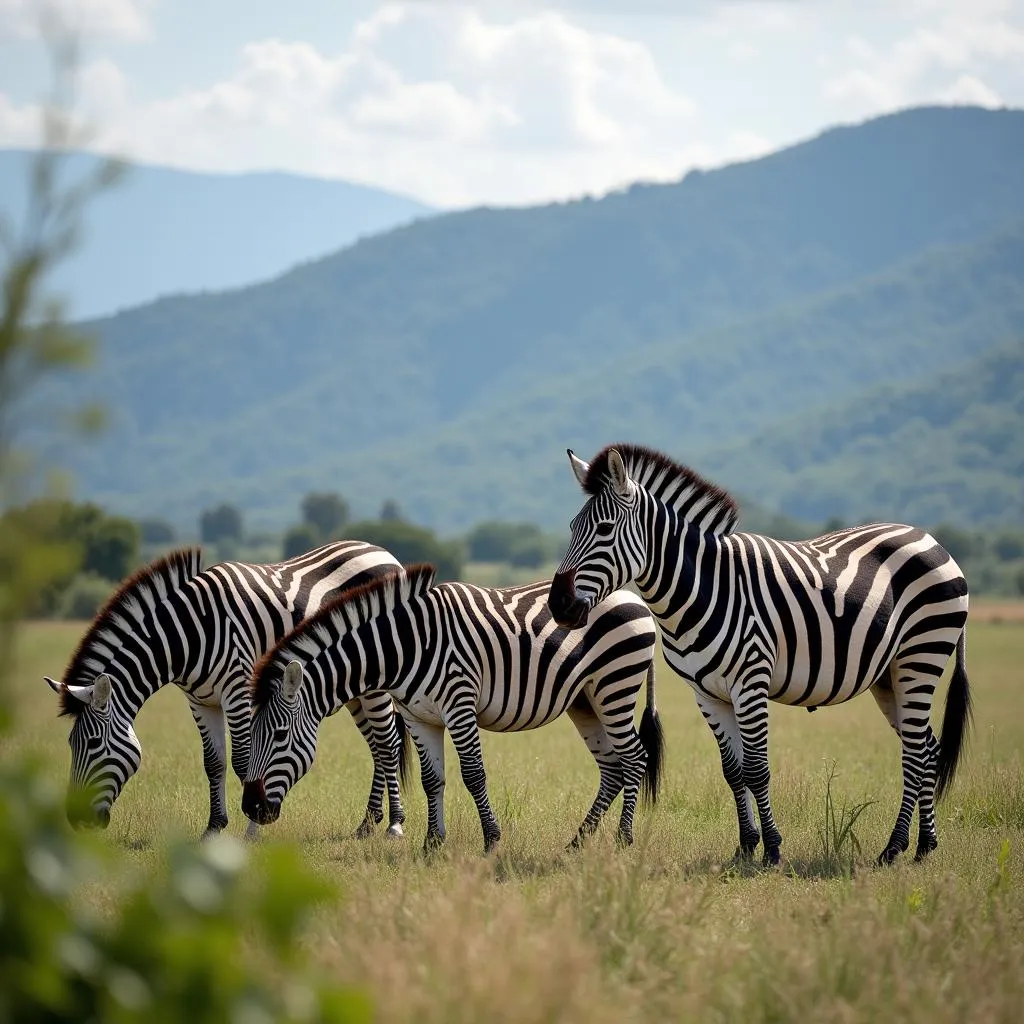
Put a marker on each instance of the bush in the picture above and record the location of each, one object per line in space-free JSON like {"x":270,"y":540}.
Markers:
{"x":84,"y":596}
{"x":221,"y":523}
{"x":300,"y":539}
{"x":1009,"y":546}
{"x":325,"y":513}
{"x":156,"y":531}
{"x":410,"y":543}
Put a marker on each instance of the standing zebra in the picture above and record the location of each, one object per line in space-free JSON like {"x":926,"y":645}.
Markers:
{"x":461,"y":657}
{"x":746,"y":619}
{"x":204,"y":631}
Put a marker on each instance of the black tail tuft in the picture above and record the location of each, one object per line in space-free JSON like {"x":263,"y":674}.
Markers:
{"x":653,"y":739}
{"x":956,"y":719}
{"x":404,"y":750}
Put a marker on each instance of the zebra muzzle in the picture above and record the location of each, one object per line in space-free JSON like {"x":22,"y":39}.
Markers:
{"x":567,"y":608}
{"x":255,"y":804}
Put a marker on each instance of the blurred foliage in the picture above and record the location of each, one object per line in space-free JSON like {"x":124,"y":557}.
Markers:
{"x":523,"y":545}
{"x":207,"y":938}
{"x":156,"y":531}
{"x":410,"y":543}
{"x":298,"y":539}
{"x":103,"y":547}
{"x":326,"y":513}
{"x":223,"y":522}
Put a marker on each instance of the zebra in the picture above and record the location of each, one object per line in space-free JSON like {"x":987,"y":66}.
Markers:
{"x":461,"y":657}
{"x":746,"y":619}
{"x":204,"y":630}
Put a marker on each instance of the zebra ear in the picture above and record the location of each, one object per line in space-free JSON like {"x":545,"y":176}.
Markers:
{"x":619,"y":476}
{"x":579,"y":467}
{"x":292,"y":680}
{"x":101,"y":692}
{"x":53,"y":684}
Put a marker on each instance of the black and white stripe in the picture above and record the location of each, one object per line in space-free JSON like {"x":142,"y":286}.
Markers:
{"x":205,"y":631}
{"x":746,"y":619}
{"x":462,"y":658}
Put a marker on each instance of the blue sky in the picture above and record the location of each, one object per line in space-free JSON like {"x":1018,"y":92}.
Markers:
{"x":502,"y":101}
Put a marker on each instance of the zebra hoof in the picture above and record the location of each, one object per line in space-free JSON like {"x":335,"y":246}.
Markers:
{"x":623,"y":838}
{"x":772,"y":857}
{"x":433,"y":843}
{"x":365,"y":830}
{"x":888,"y":855}
{"x":924,"y":847}
{"x":252,"y":832}
{"x":395,"y":831}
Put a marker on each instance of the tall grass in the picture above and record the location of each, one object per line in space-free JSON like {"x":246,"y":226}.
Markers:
{"x":665,"y":929}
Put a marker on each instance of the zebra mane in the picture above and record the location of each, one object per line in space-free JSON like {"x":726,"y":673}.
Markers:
{"x":697,"y":500}
{"x":344,"y":613}
{"x":125,"y":611}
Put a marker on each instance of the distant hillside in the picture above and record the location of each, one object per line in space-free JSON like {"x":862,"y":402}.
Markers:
{"x":949,"y":447}
{"x":164,"y":231}
{"x":448,"y":363}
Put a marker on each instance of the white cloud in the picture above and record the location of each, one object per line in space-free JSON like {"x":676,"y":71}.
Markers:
{"x":971,"y":91}
{"x":436,"y":100}
{"x":117,"y":19}
{"x":946,"y":58}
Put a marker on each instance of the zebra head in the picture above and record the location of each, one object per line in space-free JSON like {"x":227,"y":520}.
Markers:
{"x":105,"y":752}
{"x":607,"y":546}
{"x":283,"y":737}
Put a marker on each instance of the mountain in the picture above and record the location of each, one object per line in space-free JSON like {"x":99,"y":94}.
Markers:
{"x":948,"y":447}
{"x":163,"y":231}
{"x":448,"y":363}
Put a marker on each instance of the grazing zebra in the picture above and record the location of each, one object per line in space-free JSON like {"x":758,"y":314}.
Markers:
{"x":746,"y":619}
{"x":204,"y":631}
{"x":461,"y":657}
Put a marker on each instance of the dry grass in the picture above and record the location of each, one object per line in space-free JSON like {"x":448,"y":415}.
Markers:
{"x":665,"y":930}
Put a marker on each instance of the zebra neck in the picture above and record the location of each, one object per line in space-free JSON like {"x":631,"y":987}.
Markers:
{"x":387,"y":653}
{"x":687,"y":574}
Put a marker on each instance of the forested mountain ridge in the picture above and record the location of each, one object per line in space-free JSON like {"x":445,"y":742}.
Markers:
{"x":449,"y":363}
{"x":164,"y":231}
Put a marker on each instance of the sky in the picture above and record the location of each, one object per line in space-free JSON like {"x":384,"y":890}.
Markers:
{"x":500,"y":102}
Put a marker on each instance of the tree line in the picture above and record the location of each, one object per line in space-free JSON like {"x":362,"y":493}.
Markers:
{"x":107,"y":547}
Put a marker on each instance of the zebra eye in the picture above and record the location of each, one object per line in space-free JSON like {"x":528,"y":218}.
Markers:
{"x":604,"y":529}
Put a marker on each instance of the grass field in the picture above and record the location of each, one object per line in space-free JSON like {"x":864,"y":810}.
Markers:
{"x":666,"y":929}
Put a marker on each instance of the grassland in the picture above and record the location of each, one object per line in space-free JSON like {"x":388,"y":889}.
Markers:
{"x":665,"y":930}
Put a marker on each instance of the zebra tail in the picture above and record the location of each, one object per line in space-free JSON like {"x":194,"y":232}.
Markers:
{"x":956,"y":719}
{"x":653,"y":739}
{"x":404,"y":750}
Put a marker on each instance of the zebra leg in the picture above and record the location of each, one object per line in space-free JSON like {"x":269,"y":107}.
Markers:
{"x":598,"y":742}
{"x":429,"y":741}
{"x":382,"y":714}
{"x":462,"y":724}
{"x":615,"y":704}
{"x":375,"y":803}
{"x":927,"y":835}
{"x":913,"y":687}
{"x":721,"y":719}
{"x":238,"y":711}
{"x":210,"y":722}
{"x":751,"y":704}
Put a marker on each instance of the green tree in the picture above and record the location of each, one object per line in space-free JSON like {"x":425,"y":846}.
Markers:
{"x":156,"y":531}
{"x":390,"y":511}
{"x":224,"y":522}
{"x":410,"y":543}
{"x":958,"y":542}
{"x":205,"y":939}
{"x":299,"y":539}
{"x":1009,"y":546}
{"x":327,"y":513}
